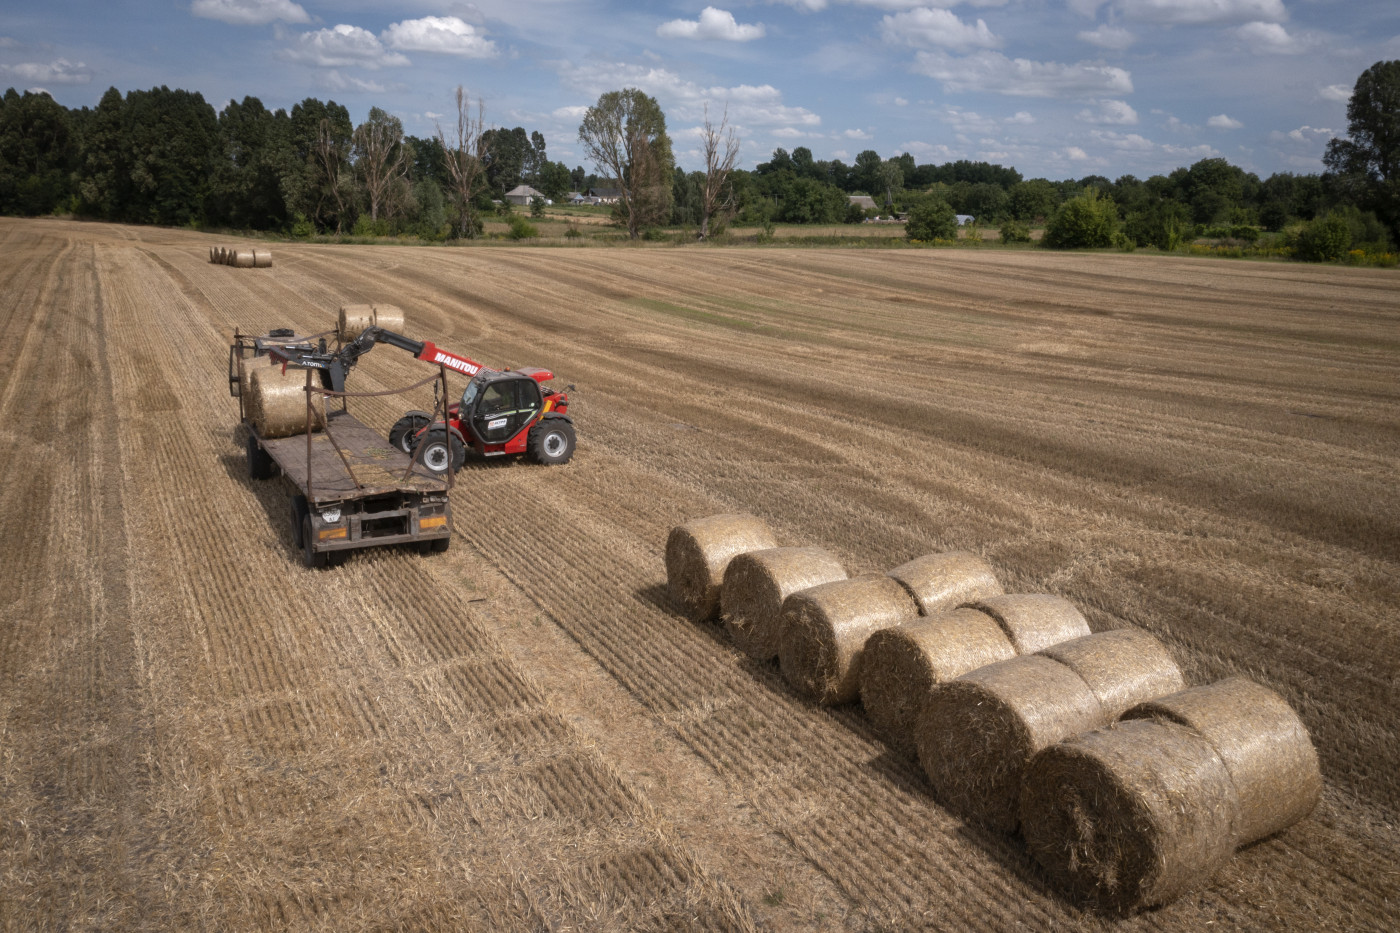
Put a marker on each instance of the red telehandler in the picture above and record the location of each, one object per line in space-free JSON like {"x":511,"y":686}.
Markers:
{"x":500,"y":413}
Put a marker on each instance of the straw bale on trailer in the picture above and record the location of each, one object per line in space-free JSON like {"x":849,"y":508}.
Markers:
{"x":976,"y":733}
{"x":945,"y":581}
{"x":901,"y":666}
{"x":262,"y":259}
{"x":1121,"y":667}
{"x":1263,"y":742}
{"x":1034,"y":620}
{"x":355,"y":318}
{"x":698,"y":551}
{"x":277,"y":402}
{"x":824,"y":630}
{"x":755,"y":585}
{"x":1130,"y":816}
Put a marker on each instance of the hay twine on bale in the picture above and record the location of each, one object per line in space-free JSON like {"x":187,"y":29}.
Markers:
{"x":1130,"y":816}
{"x":755,"y":585}
{"x":941,"y":582}
{"x":976,"y":734}
{"x":355,"y":318}
{"x":901,"y":666}
{"x":699,"y":551}
{"x":262,"y":259}
{"x":1123,"y":667}
{"x":825,"y":628}
{"x":277,"y":402}
{"x":1264,"y":744}
{"x":1034,"y":620}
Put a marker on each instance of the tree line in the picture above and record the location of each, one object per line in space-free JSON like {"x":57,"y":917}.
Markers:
{"x":165,"y":156}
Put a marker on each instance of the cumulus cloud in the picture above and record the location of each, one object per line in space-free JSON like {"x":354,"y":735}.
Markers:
{"x":995,"y":73}
{"x":1304,"y":134}
{"x":925,"y":27}
{"x":341,"y":82}
{"x":1075,"y":154}
{"x":1113,"y":112}
{"x":1270,"y":38}
{"x":1223,"y":122}
{"x":756,"y":105}
{"x":250,"y":12}
{"x":1202,"y":12}
{"x":856,"y":134}
{"x":813,"y":6}
{"x":341,"y":47}
{"x":1341,"y":93}
{"x":1020,"y":118}
{"x":712,"y":24}
{"x":58,"y":71}
{"x":1109,"y":37}
{"x":445,"y":35}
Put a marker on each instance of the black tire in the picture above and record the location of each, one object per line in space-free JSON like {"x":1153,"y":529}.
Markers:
{"x":440,"y":545}
{"x":552,"y":442}
{"x":309,"y":556}
{"x":443,"y":450}
{"x":404,"y":433}
{"x":299,"y":513}
{"x":260,"y":462}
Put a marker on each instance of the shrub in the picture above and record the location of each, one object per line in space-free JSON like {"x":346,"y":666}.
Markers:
{"x":932,"y":220}
{"x":1015,"y":231}
{"x":301,"y":227}
{"x":1086,"y":222}
{"x":1164,"y":225}
{"x":1325,"y":239}
{"x":522,"y":229}
{"x":573,"y":232}
{"x":537,"y":206}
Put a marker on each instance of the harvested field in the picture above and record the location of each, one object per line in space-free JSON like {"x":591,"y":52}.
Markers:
{"x":526,"y":732}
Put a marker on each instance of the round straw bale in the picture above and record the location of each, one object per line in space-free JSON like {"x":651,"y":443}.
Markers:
{"x":945,"y":581}
{"x":354,"y":319}
{"x":1034,"y":620}
{"x":1129,"y":816}
{"x":698,"y":552}
{"x":262,"y":259}
{"x":277,"y":401}
{"x":1264,"y":745}
{"x":755,"y":585}
{"x":211,"y":253}
{"x":1123,"y":667}
{"x":245,"y":373}
{"x":977,"y":733}
{"x":389,"y":317}
{"x":243,"y":259}
{"x":825,"y":628}
{"x":901,"y":666}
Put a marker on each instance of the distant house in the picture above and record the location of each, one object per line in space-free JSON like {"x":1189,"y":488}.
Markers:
{"x":964,"y":219}
{"x":605,"y":195}
{"x":523,"y":194}
{"x":863,"y":201}
{"x":576,"y":197}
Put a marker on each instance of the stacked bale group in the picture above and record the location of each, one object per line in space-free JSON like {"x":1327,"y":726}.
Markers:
{"x":355,"y":318}
{"x":977,"y":733}
{"x":757,"y":583}
{"x":944,"y":581}
{"x":824,"y":630}
{"x":1136,"y":814}
{"x":698,"y":553}
{"x":1034,"y":620}
{"x":242,"y":258}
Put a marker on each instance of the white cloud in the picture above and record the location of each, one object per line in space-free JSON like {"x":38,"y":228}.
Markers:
{"x":445,"y":35}
{"x":760,"y":105}
{"x":857,"y":134}
{"x":995,"y":73}
{"x":1202,"y":12}
{"x":901,"y":102}
{"x":1109,"y":37}
{"x":712,"y":24}
{"x":1075,"y":154}
{"x":1304,"y":134}
{"x":1223,"y":122}
{"x":1020,"y":118}
{"x":1341,"y":93}
{"x":250,"y":12}
{"x":576,"y":112}
{"x":341,"y":82}
{"x":813,"y":6}
{"x":1270,"y":37}
{"x":1113,"y":112}
{"x":58,"y":71}
{"x":925,"y":27}
{"x":342,"y":46}
{"x":1124,"y":142}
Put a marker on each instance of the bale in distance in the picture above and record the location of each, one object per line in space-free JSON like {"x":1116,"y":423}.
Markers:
{"x":262,"y":259}
{"x":699,"y":551}
{"x":977,"y":733}
{"x":243,"y":259}
{"x":1130,"y":816}
{"x":212,"y":250}
{"x":355,"y":318}
{"x":1123,"y":667}
{"x":825,"y":628}
{"x":941,"y":582}
{"x":1034,"y":620}
{"x":1264,"y":744}
{"x":755,"y":585}
{"x":277,"y":402}
{"x":901,"y":666}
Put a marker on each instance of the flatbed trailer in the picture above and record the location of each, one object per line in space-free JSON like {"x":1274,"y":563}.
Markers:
{"x":350,"y":488}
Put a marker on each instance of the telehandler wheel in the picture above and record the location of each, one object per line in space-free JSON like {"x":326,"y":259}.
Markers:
{"x":404,"y":433}
{"x":443,"y":451}
{"x":552,"y":441}
{"x":260,"y":462}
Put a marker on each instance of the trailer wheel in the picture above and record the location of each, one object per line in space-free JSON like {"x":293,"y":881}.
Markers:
{"x":552,"y":441}
{"x":260,"y":462}
{"x":309,"y":555}
{"x":404,"y":433}
{"x":300,"y":511}
{"x":439,"y":545}
{"x":443,"y":451}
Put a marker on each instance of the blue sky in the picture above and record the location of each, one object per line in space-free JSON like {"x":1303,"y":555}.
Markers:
{"x":1055,"y":88}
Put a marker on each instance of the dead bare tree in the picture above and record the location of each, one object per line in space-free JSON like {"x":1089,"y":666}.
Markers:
{"x":721,"y":151}
{"x":381,"y":158}
{"x":330,"y":157}
{"x":465,"y":153}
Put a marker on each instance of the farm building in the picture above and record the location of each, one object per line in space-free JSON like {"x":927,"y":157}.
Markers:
{"x":864,"y":201}
{"x":523,"y":194}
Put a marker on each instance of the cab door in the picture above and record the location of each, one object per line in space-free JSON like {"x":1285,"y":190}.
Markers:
{"x":506,"y":406}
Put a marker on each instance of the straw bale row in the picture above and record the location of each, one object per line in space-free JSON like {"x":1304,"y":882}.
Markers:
{"x":241,"y":258}
{"x":355,"y":318}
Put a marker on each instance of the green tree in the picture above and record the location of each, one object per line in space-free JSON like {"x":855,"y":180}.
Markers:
{"x":1032,"y":200}
{"x":463,"y":154}
{"x":1325,"y":239}
{"x":624,"y":134}
{"x":36,"y":142}
{"x":316,"y":180}
{"x":504,"y":154}
{"x":1164,"y":224}
{"x":1085,"y":222}
{"x":246,"y":186}
{"x":381,"y":162}
{"x":932,"y":220}
{"x":1367,"y":165}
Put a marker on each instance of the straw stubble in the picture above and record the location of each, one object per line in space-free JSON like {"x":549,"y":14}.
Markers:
{"x":699,"y":551}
